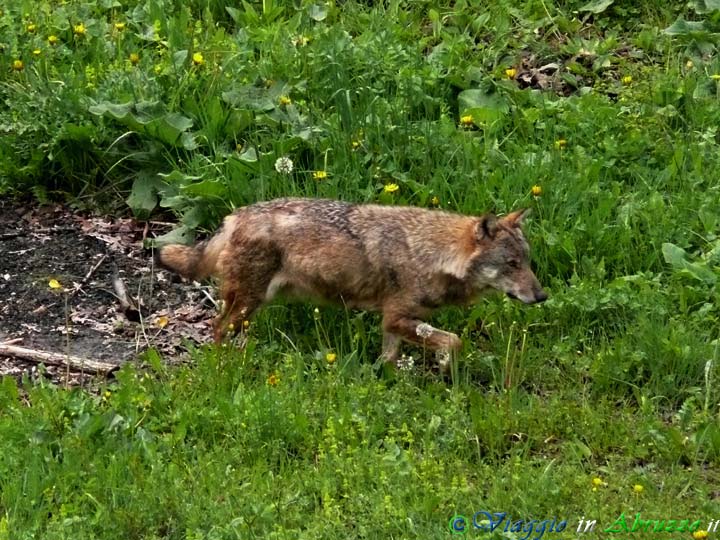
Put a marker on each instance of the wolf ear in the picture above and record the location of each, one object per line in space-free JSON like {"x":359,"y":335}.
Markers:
{"x":487,"y":227}
{"x":516,"y":218}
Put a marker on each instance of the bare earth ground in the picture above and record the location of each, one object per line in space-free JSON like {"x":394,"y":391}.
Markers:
{"x":84,"y":318}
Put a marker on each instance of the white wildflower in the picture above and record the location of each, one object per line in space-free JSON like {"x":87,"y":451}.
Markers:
{"x":284,"y":165}
{"x":406,"y":363}
{"x":424,"y":330}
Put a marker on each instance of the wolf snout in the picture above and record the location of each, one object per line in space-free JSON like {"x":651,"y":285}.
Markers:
{"x":535,"y":297}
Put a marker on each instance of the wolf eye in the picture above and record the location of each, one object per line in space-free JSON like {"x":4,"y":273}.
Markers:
{"x":513,"y":264}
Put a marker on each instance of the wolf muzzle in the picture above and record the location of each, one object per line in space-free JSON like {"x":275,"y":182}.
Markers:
{"x":539,"y":296}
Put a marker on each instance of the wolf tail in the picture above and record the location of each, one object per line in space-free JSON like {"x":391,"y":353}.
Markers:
{"x":194,"y":262}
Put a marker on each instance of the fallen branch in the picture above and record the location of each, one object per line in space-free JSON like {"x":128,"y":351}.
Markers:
{"x":58,"y":359}
{"x":10,"y":235}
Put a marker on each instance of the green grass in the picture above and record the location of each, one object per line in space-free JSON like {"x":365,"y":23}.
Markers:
{"x":614,"y":377}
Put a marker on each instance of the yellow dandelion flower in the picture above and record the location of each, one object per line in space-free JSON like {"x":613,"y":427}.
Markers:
{"x":53,"y":40}
{"x":355,"y":145}
{"x":198,"y":59}
{"x":689,"y":64}
{"x":435,"y":201}
{"x":627,"y":79}
{"x":285,"y":100}
{"x":715,"y":76}
{"x":560,"y":144}
{"x":79,"y":30}
{"x":330,"y":357}
{"x":637,"y":488}
{"x":37,"y":52}
{"x":300,"y":41}
{"x":162,"y":321}
{"x":700,"y":535}
{"x":230,"y":327}
{"x":134,"y":59}
{"x":537,"y":191}
{"x":510,"y":73}
{"x":273,"y":379}
{"x":391,"y":188}
{"x":31,"y":28}
{"x":54,"y":284}
{"x":320,"y":175}
{"x":119,"y":26}
{"x":246,"y":324}
{"x":597,"y":482}
{"x":466,"y":121}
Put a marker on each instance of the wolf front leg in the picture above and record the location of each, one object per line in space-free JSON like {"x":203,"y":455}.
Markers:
{"x":390,"y":347}
{"x":446,"y":344}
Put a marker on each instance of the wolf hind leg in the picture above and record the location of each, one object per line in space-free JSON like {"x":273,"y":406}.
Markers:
{"x":247,"y":270}
{"x":237,"y":308}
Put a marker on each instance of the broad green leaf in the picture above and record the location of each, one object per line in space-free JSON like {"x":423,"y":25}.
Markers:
{"x":677,"y":258}
{"x":483,"y":107}
{"x":318,"y":12}
{"x":674,"y":255}
{"x":249,"y":154}
{"x":479,"y":99}
{"x":194,"y":216}
{"x":705,"y":89}
{"x":116,"y":110}
{"x":176,"y":177}
{"x":705,"y":6}
{"x":179,"y":59}
{"x":206,"y":189}
{"x":188,"y":141}
{"x":681,"y":27}
{"x":178,"y":121}
{"x":173,"y":199}
{"x":250,"y":98}
{"x":701,"y":272}
{"x":150,"y":119}
{"x":597,"y":6}
{"x":144,"y":194}
{"x":234,"y":13}
{"x":181,"y":235}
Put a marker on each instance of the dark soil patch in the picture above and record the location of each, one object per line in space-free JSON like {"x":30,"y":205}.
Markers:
{"x":83,"y":317}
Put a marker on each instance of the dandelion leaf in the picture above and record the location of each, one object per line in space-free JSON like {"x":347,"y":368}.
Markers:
{"x":144,"y":195}
{"x":485,"y":108}
{"x":705,"y":6}
{"x":676,"y":257}
{"x":597,"y":6}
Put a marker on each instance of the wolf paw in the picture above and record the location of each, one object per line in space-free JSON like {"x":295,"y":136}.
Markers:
{"x":444,"y":360}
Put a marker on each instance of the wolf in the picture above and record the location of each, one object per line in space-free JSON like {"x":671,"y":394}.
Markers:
{"x":402,"y":261}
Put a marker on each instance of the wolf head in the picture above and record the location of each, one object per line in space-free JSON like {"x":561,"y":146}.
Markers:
{"x":503,"y":260}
